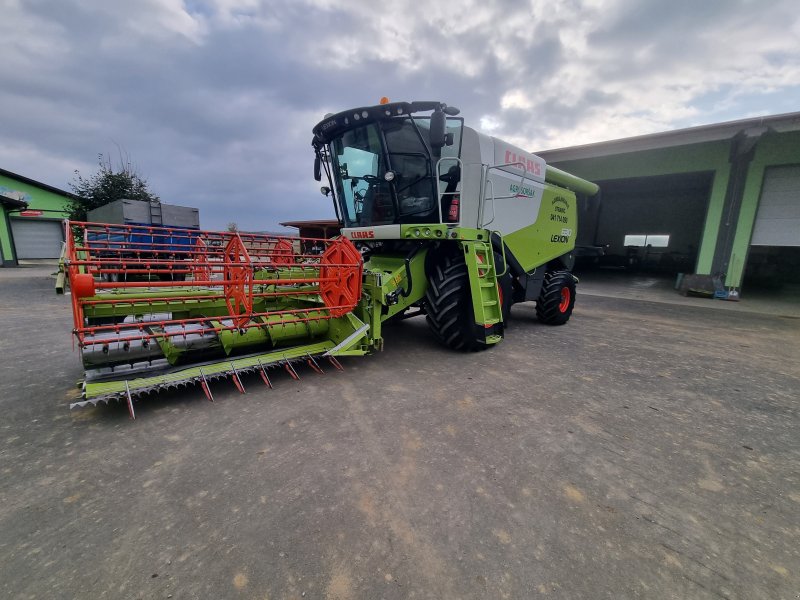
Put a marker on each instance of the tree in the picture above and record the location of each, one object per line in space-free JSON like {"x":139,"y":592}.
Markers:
{"x":107,"y":185}
{"x":233,"y":226}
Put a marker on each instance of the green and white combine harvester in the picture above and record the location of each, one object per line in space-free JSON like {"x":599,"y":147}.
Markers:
{"x":437,"y":219}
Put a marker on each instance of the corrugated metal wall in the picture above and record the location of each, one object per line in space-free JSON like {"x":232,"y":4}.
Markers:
{"x":37,"y":238}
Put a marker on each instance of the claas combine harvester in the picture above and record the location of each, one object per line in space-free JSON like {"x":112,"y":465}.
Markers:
{"x":437,"y":219}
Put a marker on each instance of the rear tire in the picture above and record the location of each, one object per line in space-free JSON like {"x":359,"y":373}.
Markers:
{"x":557,"y":298}
{"x":449,"y":307}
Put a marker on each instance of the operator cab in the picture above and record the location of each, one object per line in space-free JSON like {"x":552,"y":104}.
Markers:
{"x":382,"y":162}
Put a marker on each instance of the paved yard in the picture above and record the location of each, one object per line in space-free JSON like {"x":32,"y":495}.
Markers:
{"x":644,"y":450}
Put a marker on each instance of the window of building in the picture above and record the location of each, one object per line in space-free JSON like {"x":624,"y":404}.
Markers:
{"x":653,"y":240}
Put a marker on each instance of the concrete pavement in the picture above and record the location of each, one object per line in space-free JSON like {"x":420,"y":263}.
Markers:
{"x":644,"y":450}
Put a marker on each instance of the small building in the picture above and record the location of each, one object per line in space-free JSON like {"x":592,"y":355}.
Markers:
{"x":720,"y":200}
{"x":31,"y":224}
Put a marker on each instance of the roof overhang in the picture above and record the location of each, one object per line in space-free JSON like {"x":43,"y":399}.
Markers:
{"x":753,"y":127}
{"x":12,"y":202}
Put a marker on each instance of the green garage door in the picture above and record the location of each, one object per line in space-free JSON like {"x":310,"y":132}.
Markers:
{"x":37,"y":238}
{"x":778,"y":219}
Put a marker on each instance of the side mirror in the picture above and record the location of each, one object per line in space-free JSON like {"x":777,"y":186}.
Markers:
{"x":437,"y":132}
{"x":317,"y":168}
{"x":325,"y":190}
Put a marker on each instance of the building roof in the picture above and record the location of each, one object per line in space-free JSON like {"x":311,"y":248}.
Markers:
{"x":39,"y":184}
{"x":679,"y":137}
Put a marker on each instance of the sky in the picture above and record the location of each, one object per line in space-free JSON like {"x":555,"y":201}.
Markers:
{"x":213,"y":101}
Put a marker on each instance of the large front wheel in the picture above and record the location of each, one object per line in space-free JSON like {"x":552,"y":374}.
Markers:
{"x":557,"y":298}
{"x":449,"y":307}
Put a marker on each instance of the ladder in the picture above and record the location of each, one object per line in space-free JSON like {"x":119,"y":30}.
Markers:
{"x":483,"y":284}
{"x":156,"y":217}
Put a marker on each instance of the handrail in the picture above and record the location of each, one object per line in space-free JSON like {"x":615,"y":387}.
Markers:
{"x":484,"y":201}
{"x":522,"y":177}
{"x":503,"y":254}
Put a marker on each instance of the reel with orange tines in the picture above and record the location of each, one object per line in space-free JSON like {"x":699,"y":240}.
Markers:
{"x":159,"y":300}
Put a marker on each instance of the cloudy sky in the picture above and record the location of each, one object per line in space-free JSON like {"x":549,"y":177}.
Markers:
{"x":214,"y":100}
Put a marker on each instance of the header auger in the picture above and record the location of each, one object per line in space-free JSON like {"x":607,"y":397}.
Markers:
{"x":449,"y":223}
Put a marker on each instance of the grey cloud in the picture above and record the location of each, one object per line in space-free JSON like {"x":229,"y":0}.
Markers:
{"x":562,"y":114}
{"x":221,"y":117}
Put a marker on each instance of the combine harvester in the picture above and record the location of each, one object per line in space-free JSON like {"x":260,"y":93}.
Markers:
{"x":450,"y":223}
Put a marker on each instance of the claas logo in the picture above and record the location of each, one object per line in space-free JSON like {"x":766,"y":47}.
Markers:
{"x":531,"y":166}
{"x":362,"y":235}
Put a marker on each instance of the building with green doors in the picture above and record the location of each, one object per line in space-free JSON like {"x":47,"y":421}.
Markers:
{"x":31,"y":223}
{"x":720,"y":200}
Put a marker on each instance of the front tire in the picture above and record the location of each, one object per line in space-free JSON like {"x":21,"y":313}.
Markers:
{"x":557,"y":298}
{"x":449,"y":307}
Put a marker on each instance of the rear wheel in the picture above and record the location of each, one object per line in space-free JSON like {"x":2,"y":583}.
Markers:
{"x":449,"y":307}
{"x":557,"y":298}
